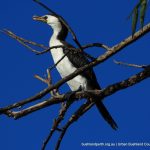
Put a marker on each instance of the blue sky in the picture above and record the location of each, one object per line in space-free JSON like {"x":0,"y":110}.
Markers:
{"x":92,"y":21}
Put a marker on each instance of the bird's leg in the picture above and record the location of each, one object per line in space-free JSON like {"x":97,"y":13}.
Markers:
{"x":69,"y":95}
{"x":89,"y":95}
{"x":55,"y":92}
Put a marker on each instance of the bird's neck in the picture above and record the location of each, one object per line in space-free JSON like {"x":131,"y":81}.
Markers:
{"x":59,"y":35}
{"x":55,"y":34}
{"x":59,"y":32}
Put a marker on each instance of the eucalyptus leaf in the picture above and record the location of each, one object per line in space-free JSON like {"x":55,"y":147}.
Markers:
{"x":138,"y":11}
{"x":143,"y":12}
{"x":134,"y":19}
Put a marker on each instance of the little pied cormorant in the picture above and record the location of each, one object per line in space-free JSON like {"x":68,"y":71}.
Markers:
{"x":87,"y":80}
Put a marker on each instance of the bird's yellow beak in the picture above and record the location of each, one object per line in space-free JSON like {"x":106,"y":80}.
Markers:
{"x":38,"y":18}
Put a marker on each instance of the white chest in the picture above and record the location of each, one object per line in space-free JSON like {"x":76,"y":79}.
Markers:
{"x":65,"y":67}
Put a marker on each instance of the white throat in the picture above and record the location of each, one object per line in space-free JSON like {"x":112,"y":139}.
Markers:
{"x":57,"y":53}
{"x":56,"y":30}
{"x":54,"y":41}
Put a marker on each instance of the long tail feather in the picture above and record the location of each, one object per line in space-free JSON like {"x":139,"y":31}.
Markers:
{"x":106,"y":115}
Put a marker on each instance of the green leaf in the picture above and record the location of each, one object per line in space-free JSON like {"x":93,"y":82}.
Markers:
{"x":135,"y":19}
{"x":143,"y":11}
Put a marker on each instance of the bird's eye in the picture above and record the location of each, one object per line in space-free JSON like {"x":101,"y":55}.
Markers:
{"x":45,"y":17}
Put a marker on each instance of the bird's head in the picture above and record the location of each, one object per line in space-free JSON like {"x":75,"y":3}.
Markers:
{"x":58,"y":27}
{"x":51,"y":20}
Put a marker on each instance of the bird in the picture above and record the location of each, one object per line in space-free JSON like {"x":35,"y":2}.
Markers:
{"x":71,"y":62}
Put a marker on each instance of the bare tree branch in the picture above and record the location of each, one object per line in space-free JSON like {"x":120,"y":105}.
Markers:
{"x":83,"y":94}
{"x":56,"y":123}
{"x":23,"y":41}
{"x":85,"y":107}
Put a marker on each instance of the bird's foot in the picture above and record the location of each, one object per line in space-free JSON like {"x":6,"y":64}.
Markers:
{"x":70,"y":94}
{"x":55,"y":93}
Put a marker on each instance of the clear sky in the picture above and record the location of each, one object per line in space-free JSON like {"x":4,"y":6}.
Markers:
{"x":92,"y":21}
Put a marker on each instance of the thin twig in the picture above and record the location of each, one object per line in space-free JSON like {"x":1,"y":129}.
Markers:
{"x":23,"y":41}
{"x":40,"y":78}
{"x":96,"y":45}
{"x":49,"y":49}
{"x":48,"y":81}
{"x":130,"y":65}
{"x":10,"y":33}
{"x":52,"y":67}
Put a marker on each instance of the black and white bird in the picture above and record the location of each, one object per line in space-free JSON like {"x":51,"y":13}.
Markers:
{"x":87,"y":80}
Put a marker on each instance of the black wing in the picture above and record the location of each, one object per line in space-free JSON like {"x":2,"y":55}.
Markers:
{"x":78,"y":59}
